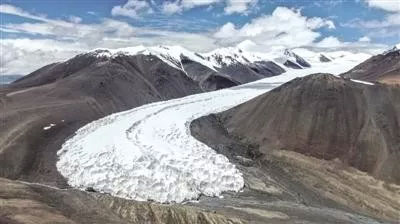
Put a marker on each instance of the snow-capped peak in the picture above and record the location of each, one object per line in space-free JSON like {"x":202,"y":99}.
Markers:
{"x":172,"y":55}
{"x":231,"y":55}
{"x":289,"y":53}
{"x":291,"y":59}
{"x":218,"y":58}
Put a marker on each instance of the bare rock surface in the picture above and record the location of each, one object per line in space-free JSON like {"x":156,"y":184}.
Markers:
{"x":329,"y":118}
{"x":41,"y":110}
{"x":384,"y":68}
{"x":319,"y":142}
{"x":33,"y":203}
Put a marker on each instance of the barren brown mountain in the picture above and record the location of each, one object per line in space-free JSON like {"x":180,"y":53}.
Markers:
{"x":326,"y":117}
{"x":323,"y":134}
{"x":384,"y":68}
{"x":69,"y":95}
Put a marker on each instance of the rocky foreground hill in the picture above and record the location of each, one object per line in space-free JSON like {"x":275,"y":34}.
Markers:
{"x":338,"y":138}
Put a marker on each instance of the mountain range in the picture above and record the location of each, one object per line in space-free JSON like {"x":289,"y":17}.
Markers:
{"x":319,"y":148}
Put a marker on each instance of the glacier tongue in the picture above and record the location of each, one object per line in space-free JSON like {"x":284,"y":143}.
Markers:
{"x":141,"y":155}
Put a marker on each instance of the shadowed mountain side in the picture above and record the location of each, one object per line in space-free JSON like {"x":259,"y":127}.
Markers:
{"x":244,"y":73}
{"x":207,"y":78}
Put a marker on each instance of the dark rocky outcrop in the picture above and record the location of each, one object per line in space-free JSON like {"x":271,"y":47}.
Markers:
{"x":323,"y":58}
{"x":244,"y":73}
{"x":207,"y":78}
{"x":297,"y":59}
{"x":290,"y":64}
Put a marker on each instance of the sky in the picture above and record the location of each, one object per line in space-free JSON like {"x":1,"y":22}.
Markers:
{"x":35,"y":33}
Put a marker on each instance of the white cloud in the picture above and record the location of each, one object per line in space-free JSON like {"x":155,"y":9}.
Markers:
{"x":317,"y":22}
{"x":389,"y":26}
{"x":286,"y":27}
{"x":58,"y":40}
{"x":329,"y":42}
{"x":387,"y":5}
{"x":22,"y":56}
{"x":178,"y":6}
{"x":230,"y":6}
{"x":75,"y":19}
{"x":226,"y":31}
{"x":239,"y":6}
{"x":12,"y":10}
{"x":172,"y":8}
{"x":132,"y":8}
{"x":195,"y":3}
{"x":364,"y":39}
{"x":362,"y":45}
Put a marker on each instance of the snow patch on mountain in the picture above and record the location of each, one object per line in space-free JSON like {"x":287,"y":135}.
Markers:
{"x":232,"y":55}
{"x":299,"y":58}
{"x":169,"y":54}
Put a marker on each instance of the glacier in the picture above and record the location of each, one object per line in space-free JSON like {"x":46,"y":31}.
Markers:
{"x":148,"y":153}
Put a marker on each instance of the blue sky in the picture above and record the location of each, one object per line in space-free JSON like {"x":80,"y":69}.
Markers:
{"x":206,"y":18}
{"x":55,"y":30}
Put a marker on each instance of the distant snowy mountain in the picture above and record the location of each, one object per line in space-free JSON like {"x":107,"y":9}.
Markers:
{"x":172,"y":55}
{"x":292,"y":60}
{"x":231,"y":55}
{"x":226,"y":67}
{"x":243,"y":66}
{"x":231,"y":65}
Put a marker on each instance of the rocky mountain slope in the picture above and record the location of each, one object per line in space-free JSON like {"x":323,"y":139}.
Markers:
{"x":65,"y":96}
{"x":328,"y":118}
{"x":384,"y":68}
{"x":44,"y":108}
{"x":326,"y":132}
{"x":243,"y":66}
{"x":34,"y":203}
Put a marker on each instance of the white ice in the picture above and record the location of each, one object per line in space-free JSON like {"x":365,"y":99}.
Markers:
{"x":148,"y":153}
